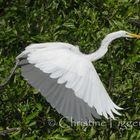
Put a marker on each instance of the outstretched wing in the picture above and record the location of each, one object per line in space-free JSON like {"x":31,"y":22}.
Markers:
{"x":72,"y":82}
{"x":61,"y":98}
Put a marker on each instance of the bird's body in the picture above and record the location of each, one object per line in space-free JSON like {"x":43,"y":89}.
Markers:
{"x":67,"y":78}
{"x":74,"y":70}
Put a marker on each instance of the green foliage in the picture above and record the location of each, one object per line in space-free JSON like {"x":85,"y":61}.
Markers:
{"x":82,"y":23}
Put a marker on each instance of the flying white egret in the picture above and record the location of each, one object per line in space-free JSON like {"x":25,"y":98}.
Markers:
{"x":67,"y":78}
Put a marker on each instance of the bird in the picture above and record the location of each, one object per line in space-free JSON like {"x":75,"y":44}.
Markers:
{"x":66,"y":77}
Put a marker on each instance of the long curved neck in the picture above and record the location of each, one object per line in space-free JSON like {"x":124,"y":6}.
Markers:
{"x":104,"y":46}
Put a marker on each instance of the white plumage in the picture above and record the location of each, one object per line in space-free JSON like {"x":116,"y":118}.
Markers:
{"x":67,"y":78}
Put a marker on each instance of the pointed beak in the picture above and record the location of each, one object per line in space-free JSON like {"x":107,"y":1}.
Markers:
{"x":134,"y":35}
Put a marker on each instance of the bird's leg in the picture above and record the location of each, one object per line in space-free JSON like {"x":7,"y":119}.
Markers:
{"x":11,"y":74}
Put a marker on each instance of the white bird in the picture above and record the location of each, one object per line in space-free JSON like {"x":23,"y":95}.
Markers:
{"x":67,"y":78}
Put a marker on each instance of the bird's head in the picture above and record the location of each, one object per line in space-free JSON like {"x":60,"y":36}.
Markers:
{"x":112,"y":36}
{"x":126,"y":34}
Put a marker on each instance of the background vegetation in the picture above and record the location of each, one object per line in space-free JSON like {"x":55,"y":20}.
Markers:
{"x":82,"y":23}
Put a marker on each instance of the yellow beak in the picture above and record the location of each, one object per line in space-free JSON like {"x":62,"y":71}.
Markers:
{"x":134,"y":35}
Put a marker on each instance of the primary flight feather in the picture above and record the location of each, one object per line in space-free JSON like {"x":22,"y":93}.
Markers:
{"x":67,"y":78}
